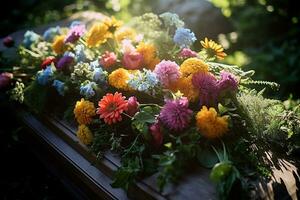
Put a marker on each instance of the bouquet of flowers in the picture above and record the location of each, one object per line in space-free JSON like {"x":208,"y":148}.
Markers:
{"x":142,"y":90}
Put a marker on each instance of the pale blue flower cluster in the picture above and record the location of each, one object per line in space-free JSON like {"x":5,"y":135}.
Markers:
{"x":87,"y":89}
{"x":145,"y":81}
{"x":29,"y":38}
{"x":99,"y":75}
{"x":75,"y":23}
{"x":44,"y":76}
{"x":50,"y":33}
{"x":80,"y":55}
{"x":184,"y":37}
{"x":171,"y":19}
{"x":59,"y":86}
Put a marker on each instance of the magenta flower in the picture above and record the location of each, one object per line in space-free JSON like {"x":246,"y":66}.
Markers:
{"x":228,"y":82}
{"x":175,"y":114}
{"x":132,"y":60}
{"x":64,"y":62}
{"x":75,"y":33}
{"x":5,"y":79}
{"x":207,"y":85}
{"x":187,"y":53}
{"x":133,"y":106}
{"x":8,"y":41}
{"x":108,"y":59}
{"x":157,"y":135}
{"x":167,"y":72}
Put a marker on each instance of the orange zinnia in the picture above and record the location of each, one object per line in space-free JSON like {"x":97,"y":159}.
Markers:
{"x":111,"y":106}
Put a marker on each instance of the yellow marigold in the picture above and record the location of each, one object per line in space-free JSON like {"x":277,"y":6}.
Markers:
{"x":209,"y":124}
{"x":118,"y":78}
{"x":58,"y":44}
{"x":84,"y":111}
{"x":193,"y":65}
{"x":97,"y":35}
{"x":185,"y":86}
{"x":84,"y":134}
{"x":149,"y":54}
{"x":213,"y":49}
{"x":125,"y":33}
{"x":112,"y":24}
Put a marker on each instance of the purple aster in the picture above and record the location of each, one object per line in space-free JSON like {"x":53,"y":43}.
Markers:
{"x":75,"y":33}
{"x":187,"y":53}
{"x":228,"y":82}
{"x":207,"y":85}
{"x":64,"y":62}
{"x":167,"y":72}
{"x":175,"y":114}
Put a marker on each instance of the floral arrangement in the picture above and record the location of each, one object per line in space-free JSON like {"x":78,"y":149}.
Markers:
{"x":142,"y":90}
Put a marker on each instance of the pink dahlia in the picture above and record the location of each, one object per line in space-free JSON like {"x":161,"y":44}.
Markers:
{"x":157,"y":135}
{"x":187,"y":53}
{"x":175,"y":114}
{"x":167,"y":72}
{"x":207,"y":85}
{"x":5,"y":79}
{"x":228,"y":82}
{"x":8,"y":41}
{"x":133,"y":106}
{"x":132,"y":60}
{"x":108,"y":59}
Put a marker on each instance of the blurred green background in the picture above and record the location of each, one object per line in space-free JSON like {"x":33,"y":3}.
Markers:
{"x":265,"y":33}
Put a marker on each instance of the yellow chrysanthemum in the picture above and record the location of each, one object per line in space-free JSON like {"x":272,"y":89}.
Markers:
{"x":112,"y":24}
{"x":149,"y":54}
{"x":84,"y":111}
{"x":185,"y":86}
{"x":118,"y":78}
{"x":58,"y":44}
{"x":125,"y":33}
{"x":191,"y":66}
{"x":97,"y":35}
{"x":84,"y":134}
{"x":213,"y":49}
{"x":209,"y":124}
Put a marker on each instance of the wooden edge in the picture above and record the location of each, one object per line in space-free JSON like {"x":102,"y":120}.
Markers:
{"x":88,"y":175}
{"x":108,"y":165}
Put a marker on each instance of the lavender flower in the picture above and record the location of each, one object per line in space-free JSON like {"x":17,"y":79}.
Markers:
{"x":175,"y":114}
{"x":228,"y":82}
{"x":75,"y":33}
{"x":44,"y":76}
{"x":187,"y":53}
{"x":184,"y":37}
{"x":87,"y":89}
{"x":50,"y":33}
{"x":65,"y":61}
{"x":207,"y":85}
{"x":167,"y":72}
{"x":30,"y":37}
{"x":59,"y":86}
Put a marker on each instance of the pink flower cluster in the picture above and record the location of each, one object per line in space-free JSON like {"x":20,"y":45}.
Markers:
{"x":167,"y":72}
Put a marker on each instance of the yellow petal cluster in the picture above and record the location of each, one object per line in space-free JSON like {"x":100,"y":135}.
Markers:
{"x":125,"y":33}
{"x":191,"y":66}
{"x":112,"y":24}
{"x":118,"y":78}
{"x":149,"y":55}
{"x":97,"y":35}
{"x":84,"y":134}
{"x":58,"y":44}
{"x":185,"y":86}
{"x":84,"y":111}
{"x":210,"y":124}
{"x":213,"y":49}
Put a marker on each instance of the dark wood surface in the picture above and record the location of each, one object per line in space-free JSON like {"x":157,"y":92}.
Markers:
{"x":96,"y":175}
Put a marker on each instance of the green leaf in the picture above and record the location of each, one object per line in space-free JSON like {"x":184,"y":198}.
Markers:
{"x":207,"y":157}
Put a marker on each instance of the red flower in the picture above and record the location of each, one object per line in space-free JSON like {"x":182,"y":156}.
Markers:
{"x":156,"y":133}
{"x":5,"y":79}
{"x":48,"y":62}
{"x":8,"y":41}
{"x":111,"y":107}
{"x":108,"y":59}
{"x":133,"y":106}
